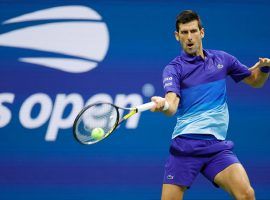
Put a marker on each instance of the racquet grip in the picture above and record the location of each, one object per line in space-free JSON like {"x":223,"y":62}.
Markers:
{"x":148,"y":106}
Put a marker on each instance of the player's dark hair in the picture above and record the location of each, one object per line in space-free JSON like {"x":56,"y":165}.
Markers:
{"x":187,"y":16}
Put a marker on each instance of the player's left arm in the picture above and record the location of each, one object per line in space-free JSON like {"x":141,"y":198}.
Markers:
{"x":259,"y":73}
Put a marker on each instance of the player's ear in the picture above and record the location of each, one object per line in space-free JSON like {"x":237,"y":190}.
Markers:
{"x":176,"y":35}
{"x":202,"y":32}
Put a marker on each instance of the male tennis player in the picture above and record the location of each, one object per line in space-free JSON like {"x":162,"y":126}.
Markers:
{"x":195,"y":88}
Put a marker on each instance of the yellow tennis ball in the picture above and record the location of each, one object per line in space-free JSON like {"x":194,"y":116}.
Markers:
{"x":97,"y":133}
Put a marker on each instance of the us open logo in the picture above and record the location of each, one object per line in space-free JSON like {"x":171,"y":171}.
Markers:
{"x":74,"y":38}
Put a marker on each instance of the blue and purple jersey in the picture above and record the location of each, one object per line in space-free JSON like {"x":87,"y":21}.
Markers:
{"x":201,"y":85}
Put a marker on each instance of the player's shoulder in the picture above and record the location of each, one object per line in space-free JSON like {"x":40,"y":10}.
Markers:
{"x":174,"y":63}
{"x":223,"y":57}
{"x":174,"y":66}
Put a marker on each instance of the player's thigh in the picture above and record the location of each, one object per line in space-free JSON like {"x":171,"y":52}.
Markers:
{"x":234,"y":180}
{"x":172,"y":192}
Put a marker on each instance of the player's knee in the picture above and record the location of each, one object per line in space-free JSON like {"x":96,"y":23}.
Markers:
{"x":246,"y":194}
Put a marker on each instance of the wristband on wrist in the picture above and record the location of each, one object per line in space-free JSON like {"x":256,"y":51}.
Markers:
{"x":265,"y":69}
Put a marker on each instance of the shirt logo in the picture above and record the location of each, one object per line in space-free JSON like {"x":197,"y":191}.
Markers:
{"x":167,"y":79}
{"x":167,"y":84}
{"x":170,"y":177}
{"x":220,"y":66}
{"x":72,"y":39}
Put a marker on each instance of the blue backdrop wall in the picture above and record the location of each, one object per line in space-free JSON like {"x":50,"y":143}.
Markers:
{"x":57,"y":56}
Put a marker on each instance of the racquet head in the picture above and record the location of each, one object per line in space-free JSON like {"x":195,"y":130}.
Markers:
{"x":95,"y":122}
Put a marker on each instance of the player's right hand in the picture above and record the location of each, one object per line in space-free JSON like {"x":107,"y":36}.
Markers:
{"x":159,"y":103}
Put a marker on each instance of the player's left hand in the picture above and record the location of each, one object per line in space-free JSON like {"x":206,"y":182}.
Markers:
{"x":264,"y":62}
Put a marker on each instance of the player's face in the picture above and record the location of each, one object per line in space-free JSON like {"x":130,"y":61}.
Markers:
{"x":190,"y":37}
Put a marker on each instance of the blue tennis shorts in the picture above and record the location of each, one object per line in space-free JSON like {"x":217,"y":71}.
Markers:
{"x":188,"y":157}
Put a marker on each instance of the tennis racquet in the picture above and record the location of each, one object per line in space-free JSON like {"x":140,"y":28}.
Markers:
{"x":97,"y":121}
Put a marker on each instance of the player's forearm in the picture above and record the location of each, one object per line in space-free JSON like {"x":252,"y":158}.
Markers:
{"x":173,"y":101}
{"x":261,"y":78}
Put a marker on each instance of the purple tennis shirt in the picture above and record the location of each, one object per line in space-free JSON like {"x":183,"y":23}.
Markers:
{"x":201,"y":85}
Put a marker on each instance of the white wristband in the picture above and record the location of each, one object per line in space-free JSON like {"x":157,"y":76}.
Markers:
{"x":166,"y":106}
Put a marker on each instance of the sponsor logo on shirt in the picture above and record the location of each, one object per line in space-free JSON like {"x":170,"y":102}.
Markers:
{"x":167,"y":79}
{"x":167,"y":84}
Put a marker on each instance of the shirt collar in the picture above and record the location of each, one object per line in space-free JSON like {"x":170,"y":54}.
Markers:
{"x":189,"y":57}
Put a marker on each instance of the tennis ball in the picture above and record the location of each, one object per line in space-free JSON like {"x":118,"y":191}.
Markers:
{"x":97,"y":133}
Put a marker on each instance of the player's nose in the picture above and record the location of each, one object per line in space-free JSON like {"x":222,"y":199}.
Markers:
{"x":189,"y":36}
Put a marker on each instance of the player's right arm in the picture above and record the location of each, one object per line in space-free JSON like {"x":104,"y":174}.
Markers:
{"x":173,"y":101}
{"x":171,"y":83}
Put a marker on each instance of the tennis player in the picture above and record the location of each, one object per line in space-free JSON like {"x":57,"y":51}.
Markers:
{"x":195,"y":86}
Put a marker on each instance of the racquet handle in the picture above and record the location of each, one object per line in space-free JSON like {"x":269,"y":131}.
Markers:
{"x":148,"y":106}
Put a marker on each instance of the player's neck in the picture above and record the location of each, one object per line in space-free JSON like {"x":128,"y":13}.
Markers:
{"x":200,"y":53}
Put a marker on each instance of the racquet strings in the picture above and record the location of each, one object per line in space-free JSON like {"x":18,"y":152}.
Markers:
{"x":104,"y":116}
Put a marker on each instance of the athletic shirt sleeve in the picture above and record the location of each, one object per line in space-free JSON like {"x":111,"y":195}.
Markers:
{"x":236,"y":69}
{"x":171,"y":80}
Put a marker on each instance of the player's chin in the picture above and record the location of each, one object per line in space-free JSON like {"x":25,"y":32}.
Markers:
{"x":190,"y":51}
